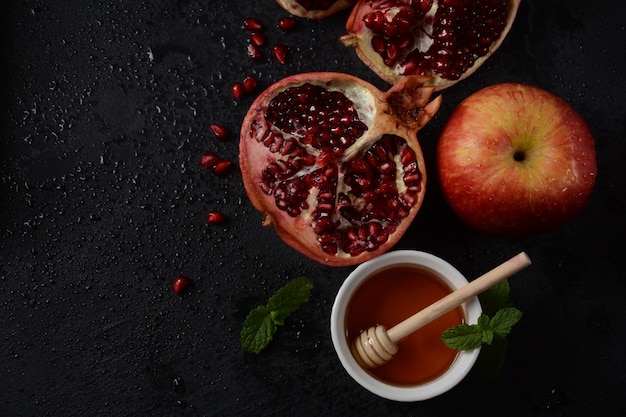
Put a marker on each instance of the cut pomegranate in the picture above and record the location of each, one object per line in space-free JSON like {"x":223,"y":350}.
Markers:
{"x":447,"y":40}
{"x":315,"y":9}
{"x":334,"y":164}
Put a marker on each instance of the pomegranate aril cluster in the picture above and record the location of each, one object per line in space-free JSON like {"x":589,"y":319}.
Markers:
{"x":462,"y":31}
{"x":326,"y":120}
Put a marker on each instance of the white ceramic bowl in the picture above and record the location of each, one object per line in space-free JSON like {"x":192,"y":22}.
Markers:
{"x":461,"y":365}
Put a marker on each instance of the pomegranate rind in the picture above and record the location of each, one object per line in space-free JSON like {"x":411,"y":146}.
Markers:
{"x":294,"y":8}
{"x":359,"y":37}
{"x":254,"y":157}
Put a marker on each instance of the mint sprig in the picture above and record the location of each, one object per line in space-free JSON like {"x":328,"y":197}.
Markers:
{"x":471,"y":336}
{"x":262,"y":322}
{"x":495,"y":323}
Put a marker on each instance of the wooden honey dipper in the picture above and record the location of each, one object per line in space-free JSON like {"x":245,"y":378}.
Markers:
{"x":375,"y":346}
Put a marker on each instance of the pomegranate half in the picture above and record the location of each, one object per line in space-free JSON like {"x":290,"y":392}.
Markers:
{"x":447,"y":40}
{"x":334,"y":163}
{"x":315,"y":9}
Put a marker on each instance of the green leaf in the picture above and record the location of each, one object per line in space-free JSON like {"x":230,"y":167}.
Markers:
{"x":289,"y":298}
{"x":483,"y":321}
{"x":463,"y":336}
{"x":262,"y":323}
{"x":257,"y":331}
{"x":496,"y":298}
{"x":504,"y":320}
{"x":487,"y":337}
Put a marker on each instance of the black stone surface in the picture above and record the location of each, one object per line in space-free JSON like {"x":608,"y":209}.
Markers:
{"x":105,"y":112}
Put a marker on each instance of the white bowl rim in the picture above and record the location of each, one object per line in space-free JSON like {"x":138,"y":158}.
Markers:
{"x":465,"y":359}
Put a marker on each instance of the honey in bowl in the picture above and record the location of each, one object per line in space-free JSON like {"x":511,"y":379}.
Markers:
{"x":387,"y":297}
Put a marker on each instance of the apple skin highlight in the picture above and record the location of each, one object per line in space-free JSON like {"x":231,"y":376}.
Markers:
{"x":515,"y":160}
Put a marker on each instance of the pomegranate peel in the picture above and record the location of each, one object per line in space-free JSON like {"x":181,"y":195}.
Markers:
{"x":315,"y":9}
{"x":334,"y":164}
{"x":437,"y":38}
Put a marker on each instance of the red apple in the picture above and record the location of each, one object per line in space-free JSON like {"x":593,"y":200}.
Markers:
{"x":515,"y":160}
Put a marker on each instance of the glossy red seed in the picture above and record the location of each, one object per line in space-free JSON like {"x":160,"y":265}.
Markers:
{"x":287,"y":23}
{"x":219,"y":131}
{"x":180,"y":284}
{"x":238,"y":90}
{"x":252,"y":24}
{"x":215,"y":217}
{"x":257,"y":38}
{"x":222,"y":167}
{"x":254,"y":52}
{"x":209,"y":160}
{"x":250,"y":84}
{"x":281,"y":52}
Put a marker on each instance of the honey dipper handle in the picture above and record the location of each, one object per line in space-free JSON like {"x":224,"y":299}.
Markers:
{"x":458,"y":297}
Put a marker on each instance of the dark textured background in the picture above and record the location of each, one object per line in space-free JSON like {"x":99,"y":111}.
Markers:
{"x":105,"y":112}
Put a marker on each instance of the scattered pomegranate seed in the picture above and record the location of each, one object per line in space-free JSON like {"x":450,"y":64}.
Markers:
{"x":280,"y":52}
{"x":250,"y":84}
{"x":222,"y":167}
{"x":209,"y":160}
{"x":254,"y":52}
{"x":238,"y":90}
{"x":180,"y":284}
{"x":252,"y":24}
{"x":215,"y":217}
{"x":257,"y":38}
{"x":219,"y":131}
{"x":287,"y":23}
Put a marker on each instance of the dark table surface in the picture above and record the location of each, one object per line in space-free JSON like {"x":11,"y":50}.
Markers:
{"x":105,"y":112}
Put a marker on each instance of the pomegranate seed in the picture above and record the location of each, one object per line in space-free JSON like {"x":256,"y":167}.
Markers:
{"x":238,"y":90}
{"x":254,"y":52}
{"x":257,"y":38}
{"x":252,"y":24}
{"x":219,"y":131}
{"x":215,"y":217}
{"x":222,"y":167}
{"x":250,"y":84}
{"x":287,"y":23}
{"x":280,"y":52}
{"x":180,"y":284}
{"x":209,"y":160}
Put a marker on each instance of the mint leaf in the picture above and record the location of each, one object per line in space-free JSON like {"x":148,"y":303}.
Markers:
{"x":463,"y":337}
{"x":289,"y":298}
{"x":496,"y":298}
{"x":261,"y":323}
{"x":483,"y":321}
{"x":258,"y":330}
{"x":504,"y":320}
{"x":487,"y":336}
{"x":491,"y":333}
